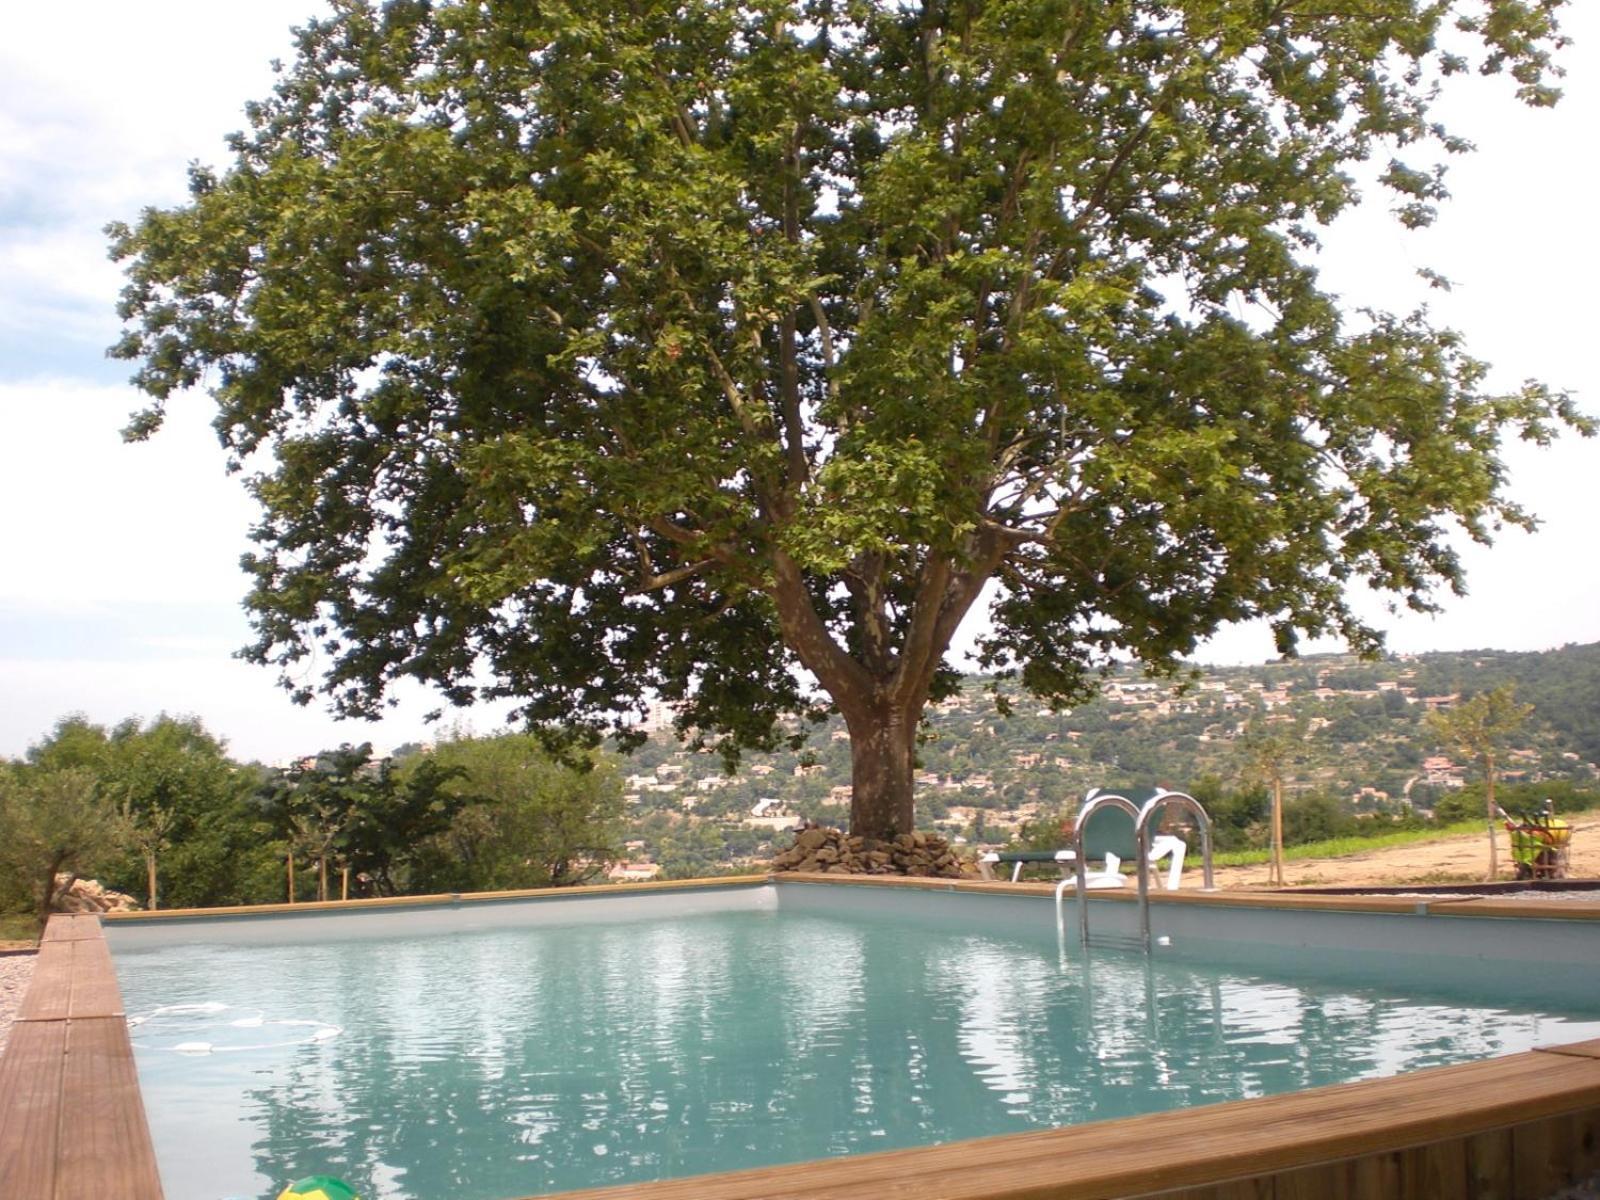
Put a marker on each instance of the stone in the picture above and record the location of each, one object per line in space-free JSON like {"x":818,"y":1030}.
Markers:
{"x":811,"y":839}
{"x":90,"y":896}
{"x":833,"y":852}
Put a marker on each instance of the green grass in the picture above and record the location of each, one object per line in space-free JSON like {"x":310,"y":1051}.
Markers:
{"x":1346,"y":846}
{"x":18,"y":927}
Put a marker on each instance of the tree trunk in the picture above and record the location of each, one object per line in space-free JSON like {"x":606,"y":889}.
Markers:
{"x":1277,"y":833}
{"x":1488,"y":791}
{"x":150,"y":873}
{"x":47,"y":894}
{"x":882,"y":759}
{"x":291,"y":877}
{"x":322,"y":878}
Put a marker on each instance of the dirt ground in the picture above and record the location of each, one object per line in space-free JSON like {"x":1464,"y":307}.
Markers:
{"x":1462,"y":859}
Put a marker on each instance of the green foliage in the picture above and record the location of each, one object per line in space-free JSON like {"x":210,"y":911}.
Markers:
{"x":344,"y":809}
{"x":1239,"y":819}
{"x":660,"y":350}
{"x":1481,"y":726}
{"x":519,"y":819}
{"x":53,"y":821}
{"x":1563,"y":687}
{"x":1315,"y":818}
{"x":1518,"y":799}
{"x":185,"y":802}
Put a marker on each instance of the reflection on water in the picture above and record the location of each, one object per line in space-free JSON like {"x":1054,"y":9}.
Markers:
{"x":511,"y":1063}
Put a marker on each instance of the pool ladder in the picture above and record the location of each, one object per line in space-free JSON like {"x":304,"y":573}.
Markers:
{"x":1143,"y":822}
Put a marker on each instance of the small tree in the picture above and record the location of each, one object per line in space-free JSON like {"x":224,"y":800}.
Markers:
{"x":1479,"y":728}
{"x":53,"y":824}
{"x":1270,"y":752}
{"x":149,"y":832}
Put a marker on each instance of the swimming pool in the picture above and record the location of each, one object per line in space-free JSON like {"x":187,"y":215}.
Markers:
{"x":1521,"y":1125}
{"x":515,"y":1049}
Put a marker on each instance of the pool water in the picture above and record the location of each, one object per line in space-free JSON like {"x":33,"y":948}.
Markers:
{"x":509,"y":1063}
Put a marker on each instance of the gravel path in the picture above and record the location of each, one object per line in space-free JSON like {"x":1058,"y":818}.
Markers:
{"x":15,"y":971}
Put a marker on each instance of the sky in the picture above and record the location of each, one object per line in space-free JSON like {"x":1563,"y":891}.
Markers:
{"x":120,"y":592}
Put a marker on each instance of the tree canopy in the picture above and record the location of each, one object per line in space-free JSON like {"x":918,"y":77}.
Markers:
{"x":526,"y":820}
{"x":585,"y":354}
{"x":53,"y":822}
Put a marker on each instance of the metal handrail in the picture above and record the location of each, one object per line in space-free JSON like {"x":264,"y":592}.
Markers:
{"x":1142,"y":819}
{"x":1088,"y":810}
{"x":1142,"y":824}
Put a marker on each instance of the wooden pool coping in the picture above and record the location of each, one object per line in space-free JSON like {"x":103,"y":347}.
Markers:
{"x":72,"y":1122}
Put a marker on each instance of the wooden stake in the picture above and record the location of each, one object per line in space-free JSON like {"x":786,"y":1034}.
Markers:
{"x":291,"y":877}
{"x":344,"y":883}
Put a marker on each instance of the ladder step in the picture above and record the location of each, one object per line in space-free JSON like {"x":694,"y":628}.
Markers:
{"x":1114,"y":941}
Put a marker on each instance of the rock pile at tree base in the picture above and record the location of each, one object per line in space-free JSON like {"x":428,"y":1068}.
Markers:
{"x":88,"y":896}
{"x":834,"y":852}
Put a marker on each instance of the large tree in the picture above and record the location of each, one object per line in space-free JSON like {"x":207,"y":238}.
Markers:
{"x":585,"y":353}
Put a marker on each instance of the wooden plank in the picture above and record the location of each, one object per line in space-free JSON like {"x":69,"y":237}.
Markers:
{"x":1489,"y":1166}
{"x":1247,"y":1189}
{"x":1580,"y":1049}
{"x":1586,"y":1143}
{"x":49,"y":994}
{"x":437,"y":899}
{"x":105,"y":1144}
{"x":1323,"y":1182}
{"x":71,"y":927}
{"x":1510,"y":906}
{"x":1238,"y":1189}
{"x":1146,"y":1156}
{"x":1437,"y":1169}
{"x":616,"y":889}
{"x":72,"y":979}
{"x":1409,"y":905}
{"x":1536,"y":1150}
{"x":1375,"y":1174}
{"x":30,"y":1108}
{"x":94,"y":982}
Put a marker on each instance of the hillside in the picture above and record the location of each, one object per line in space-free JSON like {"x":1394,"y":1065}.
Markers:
{"x":984,"y":774}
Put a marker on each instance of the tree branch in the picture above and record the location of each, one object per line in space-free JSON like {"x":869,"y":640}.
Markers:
{"x":662,"y":579}
{"x":844,"y":678}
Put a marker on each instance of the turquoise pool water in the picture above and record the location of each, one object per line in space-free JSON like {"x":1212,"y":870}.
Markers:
{"x":510,"y":1063}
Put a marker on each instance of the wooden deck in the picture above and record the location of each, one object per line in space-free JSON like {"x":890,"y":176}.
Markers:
{"x":72,"y":1124}
{"x":1522,"y":1127}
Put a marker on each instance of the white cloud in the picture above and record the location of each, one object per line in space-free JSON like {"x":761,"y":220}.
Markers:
{"x":93,"y":522}
{"x":97,"y":131}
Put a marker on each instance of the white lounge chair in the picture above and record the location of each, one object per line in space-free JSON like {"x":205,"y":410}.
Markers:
{"x":1163,"y":845}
